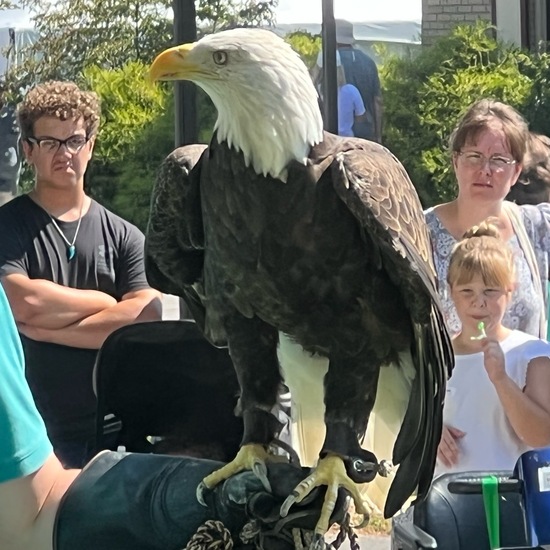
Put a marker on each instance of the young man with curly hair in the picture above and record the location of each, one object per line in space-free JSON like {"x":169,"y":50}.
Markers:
{"x":73,"y":272}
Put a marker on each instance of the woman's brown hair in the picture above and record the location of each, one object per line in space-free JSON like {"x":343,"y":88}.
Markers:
{"x":484,"y":114}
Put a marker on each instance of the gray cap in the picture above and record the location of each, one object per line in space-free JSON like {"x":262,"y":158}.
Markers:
{"x":344,"y":32}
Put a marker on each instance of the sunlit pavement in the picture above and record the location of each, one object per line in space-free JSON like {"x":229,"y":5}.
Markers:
{"x":370,"y":542}
{"x":375,"y":543}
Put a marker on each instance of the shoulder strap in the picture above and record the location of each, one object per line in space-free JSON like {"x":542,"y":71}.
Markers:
{"x":514,"y":213}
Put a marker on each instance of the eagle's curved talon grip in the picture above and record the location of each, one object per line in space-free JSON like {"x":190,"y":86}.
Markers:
{"x":363,"y":523}
{"x":259,"y":469}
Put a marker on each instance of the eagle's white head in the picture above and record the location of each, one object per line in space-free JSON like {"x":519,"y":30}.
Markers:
{"x":267,"y":104}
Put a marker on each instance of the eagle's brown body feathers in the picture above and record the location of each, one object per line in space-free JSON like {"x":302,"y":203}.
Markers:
{"x":337,"y":257}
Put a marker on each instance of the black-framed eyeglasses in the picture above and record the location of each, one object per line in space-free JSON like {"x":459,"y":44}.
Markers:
{"x":73,"y":144}
{"x":497,"y":163}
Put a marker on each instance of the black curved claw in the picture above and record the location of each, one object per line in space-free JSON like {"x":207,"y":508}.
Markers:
{"x":363,"y":523}
{"x":362,"y":468}
{"x":287,"y":504}
{"x":259,"y":469}
{"x":201,"y":490}
{"x":318,"y":542}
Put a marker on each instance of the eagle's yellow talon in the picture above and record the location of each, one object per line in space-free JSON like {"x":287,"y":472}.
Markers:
{"x":250,"y":457}
{"x":331,"y":472}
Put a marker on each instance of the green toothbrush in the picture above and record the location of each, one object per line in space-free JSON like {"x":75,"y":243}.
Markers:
{"x":482,"y":333}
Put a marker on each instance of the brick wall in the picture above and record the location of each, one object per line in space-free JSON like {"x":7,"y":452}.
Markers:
{"x":440,"y":16}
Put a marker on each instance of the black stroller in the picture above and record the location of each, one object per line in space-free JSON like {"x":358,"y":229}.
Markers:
{"x":161,"y":387}
{"x":454,"y":515}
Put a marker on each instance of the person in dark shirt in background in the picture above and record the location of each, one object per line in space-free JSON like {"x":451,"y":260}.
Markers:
{"x":360,"y":71}
{"x":10,"y":151}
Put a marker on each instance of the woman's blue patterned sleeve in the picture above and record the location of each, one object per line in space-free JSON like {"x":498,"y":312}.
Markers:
{"x":537,"y":224}
{"x":544,"y":209}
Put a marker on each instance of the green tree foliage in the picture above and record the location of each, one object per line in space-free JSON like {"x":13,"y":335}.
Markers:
{"x":73,"y":34}
{"x":536,"y":106}
{"x":306,"y":44}
{"x":217,"y":15}
{"x":76,"y":33}
{"x":425,"y":95}
{"x":136,"y":133}
{"x":129,"y":103}
{"x":7,"y":5}
{"x":124,"y":186}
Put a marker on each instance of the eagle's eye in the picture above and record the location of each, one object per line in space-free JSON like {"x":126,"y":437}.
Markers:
{"x":220,"y":57}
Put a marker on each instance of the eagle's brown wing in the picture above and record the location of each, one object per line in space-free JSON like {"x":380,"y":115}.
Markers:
{"x":377,"y":190}
{"x":174,"y":244}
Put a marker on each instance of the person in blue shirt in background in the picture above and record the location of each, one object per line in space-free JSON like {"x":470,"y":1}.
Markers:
{"x":351,"y":109}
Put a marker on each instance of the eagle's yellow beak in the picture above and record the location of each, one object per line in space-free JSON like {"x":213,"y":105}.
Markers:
{"x":172,"y":64}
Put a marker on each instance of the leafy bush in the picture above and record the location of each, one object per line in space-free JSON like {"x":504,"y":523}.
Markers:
{"x":128,"y":104}
{"x":135,"y":136}
{"x":306,"y":45}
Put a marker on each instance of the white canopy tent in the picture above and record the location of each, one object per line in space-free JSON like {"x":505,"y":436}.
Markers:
{"x":399,"y":37}
{"x":16,"y":31}
{"x":406,"y":32}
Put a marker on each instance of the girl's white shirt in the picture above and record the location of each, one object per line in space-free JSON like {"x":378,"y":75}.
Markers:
{"x":472,"y":405}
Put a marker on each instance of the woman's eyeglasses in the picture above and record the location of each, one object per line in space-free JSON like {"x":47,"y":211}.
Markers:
{"x":73,"y":144}
{"x":497,"y":163}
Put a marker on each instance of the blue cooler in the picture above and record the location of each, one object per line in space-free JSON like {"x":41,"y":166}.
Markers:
{"x":533,"y":468}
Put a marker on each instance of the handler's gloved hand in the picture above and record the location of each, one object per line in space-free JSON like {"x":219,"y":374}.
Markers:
{"x":131,"y":500}
{"x":242,"y":500}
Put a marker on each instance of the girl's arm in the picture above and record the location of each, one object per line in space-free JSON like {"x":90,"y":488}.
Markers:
{"x":527,"y":409}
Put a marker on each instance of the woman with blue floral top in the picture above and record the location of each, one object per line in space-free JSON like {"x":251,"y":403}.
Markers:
{"x":487,"y":147}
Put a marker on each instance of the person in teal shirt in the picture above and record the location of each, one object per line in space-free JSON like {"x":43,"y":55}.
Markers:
{"x":32,"y":480}
{"x":24,"y":445}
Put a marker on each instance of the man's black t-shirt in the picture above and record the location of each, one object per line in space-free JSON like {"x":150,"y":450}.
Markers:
{"x":109,"y":258}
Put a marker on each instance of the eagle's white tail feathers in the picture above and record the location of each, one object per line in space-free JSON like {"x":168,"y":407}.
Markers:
{"x":304,"y":373}
{"x":392,"y":399}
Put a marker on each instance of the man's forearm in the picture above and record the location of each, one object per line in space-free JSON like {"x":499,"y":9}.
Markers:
{"x":42,"y":303}
{"x":91,"y":332}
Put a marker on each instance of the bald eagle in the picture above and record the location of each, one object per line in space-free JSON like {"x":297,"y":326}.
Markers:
{"x":278,"y":227}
